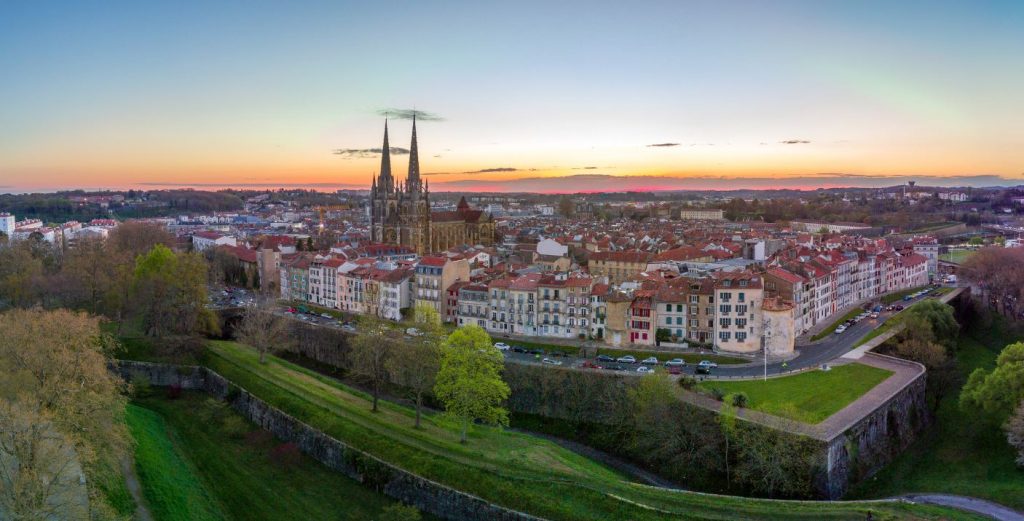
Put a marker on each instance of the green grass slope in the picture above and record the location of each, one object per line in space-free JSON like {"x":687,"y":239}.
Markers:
{"x":512,"y":469}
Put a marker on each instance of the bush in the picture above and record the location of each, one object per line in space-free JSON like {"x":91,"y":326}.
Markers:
{"x":687,"y":382}
{"x":717,"y":393}
{"x":739,"y":399}
{"x":174,"y":392}
{"x":235,"y":427}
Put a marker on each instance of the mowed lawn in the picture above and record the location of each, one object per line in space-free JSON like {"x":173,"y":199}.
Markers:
{"x":170,"y":483}
{"x":809,"y":397}
{"x":198,"y":459}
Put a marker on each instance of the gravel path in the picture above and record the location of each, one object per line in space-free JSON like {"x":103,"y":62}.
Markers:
{"x":978,"y":506}
{"x":131,"y":480}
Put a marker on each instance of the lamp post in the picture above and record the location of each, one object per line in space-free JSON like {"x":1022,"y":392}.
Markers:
{"x":764,"y":343}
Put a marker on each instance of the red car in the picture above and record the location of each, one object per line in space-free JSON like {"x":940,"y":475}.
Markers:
{"x":675,"y":369}
{"x":589,"y":365}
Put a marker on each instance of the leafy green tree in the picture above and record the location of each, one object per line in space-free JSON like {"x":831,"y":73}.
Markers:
{"x":169,"y":292}
{"x":469,"y":381}
{"x":1000,"y":390}
{"x":936,"y":318}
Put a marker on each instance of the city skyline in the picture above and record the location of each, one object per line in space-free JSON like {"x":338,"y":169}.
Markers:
{"x":515,"y":98}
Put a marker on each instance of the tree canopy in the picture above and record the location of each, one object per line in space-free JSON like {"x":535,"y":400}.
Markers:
{"x":469,"y":381}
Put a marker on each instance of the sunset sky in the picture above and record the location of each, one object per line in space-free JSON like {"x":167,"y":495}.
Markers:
{"x":740,"y":94}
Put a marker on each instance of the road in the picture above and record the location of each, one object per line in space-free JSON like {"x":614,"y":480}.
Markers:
{"x":809,"y":355}
{"x":970,"y":504}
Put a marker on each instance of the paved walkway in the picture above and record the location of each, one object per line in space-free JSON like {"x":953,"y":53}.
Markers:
{"x":970,"y":504}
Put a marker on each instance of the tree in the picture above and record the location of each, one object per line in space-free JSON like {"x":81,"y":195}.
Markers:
{"x":566,"y":206}
{"x":1015,"y":433}
{"x":169,"y":292}
{"x":57,"y":397}
{"x":20,"y":274}
{"x":415,"y":363}
{"x":371,"y":354}
{"x":469,"y":381}
{"x":999,"y":391}
{"x":87,"y":273}
{"x":773,"y":462}
{"x":135,"y":238}
{"x":262,"y":329}
{"x":727,"y":422}
{"x":664,"y":429}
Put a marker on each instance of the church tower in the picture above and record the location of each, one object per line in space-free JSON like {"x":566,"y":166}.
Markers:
{"x":384,"y":198}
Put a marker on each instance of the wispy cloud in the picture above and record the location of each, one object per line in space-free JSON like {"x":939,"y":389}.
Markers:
{"x":493,"y":170}
{"x":362,"y":153}
{"x":421,"y":115}
{"x":795,"y":142}
{"x":663,"y":145}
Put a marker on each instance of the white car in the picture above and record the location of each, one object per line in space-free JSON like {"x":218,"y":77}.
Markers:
{"x":628,"y":359}
{"x":650,"y":360}
{"x":413,"y":332}
{"x":502,"y":346}
{"x":549,"y":361}
{"x":644,"y":370}
{"x":840,"y":329}
{"x":675,"y":362}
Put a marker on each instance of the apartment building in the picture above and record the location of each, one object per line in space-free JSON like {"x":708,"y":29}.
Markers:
{"x":434,"y":275}
{"x":738,"y":305}
{"x":618,"y":266}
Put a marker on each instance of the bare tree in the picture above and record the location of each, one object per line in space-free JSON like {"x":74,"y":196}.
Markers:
{"x":260,"y":328}
{"x":371,"y":354}
{"x":414,"y":364}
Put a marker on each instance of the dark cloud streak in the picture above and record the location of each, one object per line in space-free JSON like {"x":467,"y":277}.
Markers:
{"x":795,"y":142}
{"x":421,"y":115}
{"x":363,"y":153}
{"x":663,"y":145}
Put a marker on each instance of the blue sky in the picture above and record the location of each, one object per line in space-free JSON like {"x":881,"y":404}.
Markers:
{"x":137,"y":93}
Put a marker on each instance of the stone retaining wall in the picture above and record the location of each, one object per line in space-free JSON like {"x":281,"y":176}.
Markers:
{"x":426,"y":495}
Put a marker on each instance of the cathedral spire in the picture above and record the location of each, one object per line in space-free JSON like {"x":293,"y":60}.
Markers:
{"x":386,"y":181}
{"x":413,"y":180}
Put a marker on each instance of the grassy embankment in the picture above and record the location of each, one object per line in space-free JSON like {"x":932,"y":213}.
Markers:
{"x":197,"y":459}
{"x":963,"y":452}
{"x":809,"y":397}
{"x":512,"y":469}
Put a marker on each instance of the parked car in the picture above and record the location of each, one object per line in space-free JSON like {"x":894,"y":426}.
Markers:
{"x":549,"y":361}
{"x":874,"y":314}
{"x":707,"y":363}
{"x":840,"y":329}
{"x":644,"y":370}
{"x":536,"y":351}
{"x":615,"y":367}
{"x":518,"y":349}
{"x":675,"y":362}
{"x":703,"y":369}
{"x":605,"y":358}
{"x":502,"y":346}
{"x":651,"y":360}
{"x":675,"y":369}
{"x":628,"y":359}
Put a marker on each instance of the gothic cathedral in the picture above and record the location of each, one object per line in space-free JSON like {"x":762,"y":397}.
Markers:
{"x":400,"y":213}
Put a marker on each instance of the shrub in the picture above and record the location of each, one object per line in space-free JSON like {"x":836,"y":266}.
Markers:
{"x":739,"y":399}
{"x":174,"y":392}
{"x":235,"y":427}
{"x":687,"y":382}
{"x":717,"y":393}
